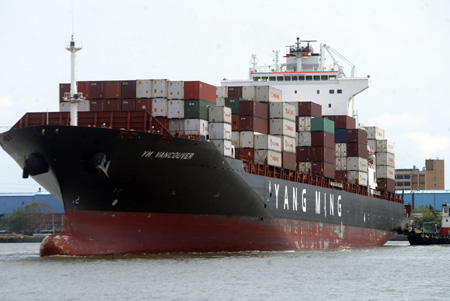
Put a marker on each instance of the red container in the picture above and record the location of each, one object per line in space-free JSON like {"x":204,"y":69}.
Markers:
{"x":85,"y":88}
{"x":323,"y":154}
{"x":340,"y":175}
{"x":97,"y":90}
{"x":288,"y":161}
{"x":254,"y":124}
{"x":386,"y":184}
{"x":235,"y":92}
{"x":113,"y":89}
{"x":323,"y":169}
{"x":128,"y":89}
{"x":304,"y":153}
{"x":199,"y":90}
{"x":97,"y":105}
{"x":357,"y":150}
{"x":128,"y":104}
{"x":63,"y":88}
{"x":245,"y":154}
{"x":342,"y":121}
{"x":357,"y":135}
{"x":143,"y":104}
{"x":324,"y":139}
{"x":112,"y":105}
{"x":253,"y":108}
{"x":309,"y":108}
{"x":235,"y":118}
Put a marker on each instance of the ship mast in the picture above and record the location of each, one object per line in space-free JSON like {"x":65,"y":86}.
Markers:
{"x":73,"y":97}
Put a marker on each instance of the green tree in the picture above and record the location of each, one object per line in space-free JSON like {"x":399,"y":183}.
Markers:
{"x":428,"y":215}
{"x":17,"y":221}
{"x":35,"y":213}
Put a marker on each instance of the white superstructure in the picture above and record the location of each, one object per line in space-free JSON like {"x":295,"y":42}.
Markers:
{"x":304,"y":77}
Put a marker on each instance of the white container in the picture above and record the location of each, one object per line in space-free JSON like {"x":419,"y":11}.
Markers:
{"x":175,"y":89}
{"x":288,"y":144}
{"x":249,"y":93}
{"x":340,"y":150}
{"x":159,"y":107}
{"x":357,"y":163}
{"x":282,"y":127}
{"x":220,"y":131}
{"x":235,"y":138}
{"x":220,"y":114}
{"x":221,"y":92}
{"x":357,"y":177}
{"x":374,"y":133}
{"x":386,"y":146}
{"x":268,"y":142}
{"x":385,"y":172}
{"x":373,"y":146}
{"x":143,"y":88}
{"x":175,"y":109}
{"x":198,"y":127}
{"x":176,"y":126}
{"x":304,"y":139}
{"x":272,"y":158}
{"x":225,"y":147}
{"x":282,"y":110}
{"x":220,"y":101}
{"x":304,"y":124}
{"x":159,"y":88}
{"x":268,"y":94}
{"x":247,"y":139}
{"x":83,"y":106}
{"x":385,"y":159}
{"x":341,"y":164}
{"x":304,"y":167}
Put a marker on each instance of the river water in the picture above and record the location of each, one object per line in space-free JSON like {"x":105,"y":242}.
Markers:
{"x":396,"y":271}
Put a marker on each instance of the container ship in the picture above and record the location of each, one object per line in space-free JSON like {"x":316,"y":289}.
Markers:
{"x":274,"y":162}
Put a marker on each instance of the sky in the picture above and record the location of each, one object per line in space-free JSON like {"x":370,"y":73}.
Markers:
{"x":403,"y":45}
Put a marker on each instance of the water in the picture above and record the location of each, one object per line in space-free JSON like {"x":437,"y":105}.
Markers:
{"x":396,"y":271}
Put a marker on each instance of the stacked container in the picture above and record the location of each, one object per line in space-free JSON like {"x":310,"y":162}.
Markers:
{"x":357,"y":164}
{"x":220,"y":129}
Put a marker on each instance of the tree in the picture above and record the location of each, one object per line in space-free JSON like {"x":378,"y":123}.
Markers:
{"x":428,"y":215}
{"x":17,"y":221}
{"x":28,"y":220}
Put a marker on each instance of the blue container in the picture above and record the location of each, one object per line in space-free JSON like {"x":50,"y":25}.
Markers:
{"x":340,"y":136}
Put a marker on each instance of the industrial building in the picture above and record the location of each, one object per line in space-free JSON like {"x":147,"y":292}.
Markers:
{"x":430,"y":177}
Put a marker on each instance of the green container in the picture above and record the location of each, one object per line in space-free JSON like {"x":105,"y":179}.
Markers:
{"x":322,"y":125}
{"x":233,"y":103}
{"x":196,"y":109}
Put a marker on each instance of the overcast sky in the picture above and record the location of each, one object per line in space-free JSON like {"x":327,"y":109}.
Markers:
{"x":402,"y":45}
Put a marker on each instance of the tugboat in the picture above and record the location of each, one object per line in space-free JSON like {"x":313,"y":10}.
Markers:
{"x":431,"y":233}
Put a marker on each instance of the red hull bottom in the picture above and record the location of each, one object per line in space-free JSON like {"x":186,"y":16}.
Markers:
{"x":107,"y":233}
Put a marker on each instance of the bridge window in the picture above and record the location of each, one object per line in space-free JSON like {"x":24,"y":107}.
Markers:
{"x":264,"y":78}
{"x":308,"y":77}
{"x":332,"y":77}
{"x":279,"y":78}
{"x":316,"y":77}
{"x":301,"y":77}
{"x":339,"y":91}
{"x":256,"y":78}
{"x":331,"y":91}
{"x":324,"y":77}
{"x":287,"y":78}
{"x":271,"y":78}
{"x":295,"y":78}
{"x":318,"y":91}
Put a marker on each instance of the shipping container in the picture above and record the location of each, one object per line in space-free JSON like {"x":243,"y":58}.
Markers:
{"x":84,"y":87}
{"x":373,"y":145}
{"x":322,"y":125}
{"x":97,"y":89}
{"x":357,"y":177}
{"x":268,"y":157}
{"x":113,"y":89}
{"x":245,"y":154}
{"x":220,"y":114}
{"x":63,"y":89}
{"x":249,"y":93}
{"x":282,"y":110}
{"x":355,"y":149}
{"x":159,"y":107}
{"x":340,"y":150}
{"x":144,"y":88}
{"x":235,"y":92}
{"x":386,"y":185}
{"x":221,"y":131}
{"x":268,"y":142}
{"x":323,"y":169}
{"x":341,"y":163}
{"x":303,"y":124}
{"x":357,"y":135}
{"x":83,"y":106}
{"x":341,"y":175}
{"x":304,"y":139}
{"x":235,"y":138}
{"x":324,"y":139}
{"x":144,"y":104}
{"x":128,"y":104}
{"x":374,"y":133}
{"x":235,"y":119}
{"x":282,"y":127}
{"x":175,"y":109}
{"x":253,"y":108}
{"x":357,"y":163}
{"x":221,"y":92}
{"x":112,"y":105}
{"x":220,"y":101}
{"x":159,"y":88}
{"x":308,"y":108}
{"x":267,"y":94}
{"x":255,"y":124}
{"x":233,"y":103}
{"x":304,"y":153}
{"x":196,"y":109}
{"x":385,"y":146}
{"x":322,"y":154}
{"x":175,"y":90}
{"x":340,"y":136}
{"x":288,"y":144}
{"x":288,"y":160}
{"x":176,"y":127}
{"x":199,"y":90}
{"x":97,"y":105}
{"x":385,"y":172}
{"x":247,"y":139}
{"x":304,"y":167}
{"x":197,"y":127}
{"x":342,"y":121}
{"x":128,"y":89}
{"x":385,"y":159}
{"x":225,"y":147}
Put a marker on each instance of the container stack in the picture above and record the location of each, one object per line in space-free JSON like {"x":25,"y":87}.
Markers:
{"x":220,"y":129}
{"x":357,"y":164}
{"x":322,"y":148}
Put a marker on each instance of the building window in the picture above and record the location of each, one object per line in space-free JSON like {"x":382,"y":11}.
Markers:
{"x":407,"y":176}
{"x":400,"y":184}
{"x":399,"y":176}
{"x":331,"y":91}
